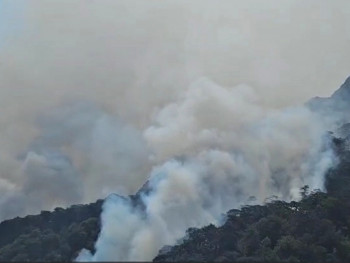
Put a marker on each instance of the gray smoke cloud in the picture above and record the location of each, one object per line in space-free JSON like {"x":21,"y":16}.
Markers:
{"x":99,"y":96}
{"x":82,"y":153}
{"x":217,"y":147}
{"x":52,"y":174}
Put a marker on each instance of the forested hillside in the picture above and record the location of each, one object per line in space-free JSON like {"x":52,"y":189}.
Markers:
{"x":316,"y":229}
{"x":50,"y":236}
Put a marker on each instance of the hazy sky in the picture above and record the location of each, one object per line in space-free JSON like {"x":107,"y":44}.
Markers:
{"x":130,"y":58}
{"x":134,"y":56}
{"x":288,"y":50}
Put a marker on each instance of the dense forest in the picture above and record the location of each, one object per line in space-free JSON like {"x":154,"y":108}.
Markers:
{"x":50,"y":236}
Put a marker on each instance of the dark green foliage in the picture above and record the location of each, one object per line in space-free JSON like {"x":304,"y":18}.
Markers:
{"x":51,"y":236}
{"x":304,"y":231}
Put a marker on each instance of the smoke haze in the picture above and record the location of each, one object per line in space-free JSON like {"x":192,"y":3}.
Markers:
{"x":217,"y":147}
{"x":202,"y":99}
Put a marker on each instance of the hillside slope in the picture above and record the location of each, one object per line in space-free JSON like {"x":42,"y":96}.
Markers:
{"x":316,"y":229}
{"x":50,"y":236}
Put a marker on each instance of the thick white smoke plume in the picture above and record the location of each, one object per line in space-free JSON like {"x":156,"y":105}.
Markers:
{"x":99,"y":96}
{"x":218,"y":146}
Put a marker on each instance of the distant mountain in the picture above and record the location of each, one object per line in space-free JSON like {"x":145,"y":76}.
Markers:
{"x":343,"y":93}
{"x":337,"y":105}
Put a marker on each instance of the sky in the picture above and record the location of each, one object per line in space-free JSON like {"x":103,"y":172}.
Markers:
{"x":10,"y":19}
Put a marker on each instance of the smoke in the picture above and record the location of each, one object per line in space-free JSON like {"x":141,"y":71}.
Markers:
{"x":54,"y":176}
{"x":217,"y":147}
{"x":99,"y":96}
{"x":79,"y":147}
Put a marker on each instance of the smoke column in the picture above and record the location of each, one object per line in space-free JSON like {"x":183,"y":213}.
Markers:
{"x":100,"y":96}
{"x":218,"y":146}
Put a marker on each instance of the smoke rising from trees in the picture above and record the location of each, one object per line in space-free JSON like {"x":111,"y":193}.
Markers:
{"x":202,"y":99}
